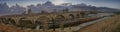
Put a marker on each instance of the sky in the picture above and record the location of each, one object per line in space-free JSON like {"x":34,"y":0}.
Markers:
{"x":98,"y":3}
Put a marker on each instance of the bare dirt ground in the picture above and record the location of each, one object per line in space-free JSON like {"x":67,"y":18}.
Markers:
{"x":108,"y":25}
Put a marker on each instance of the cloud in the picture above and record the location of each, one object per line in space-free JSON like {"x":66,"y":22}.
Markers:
{"x":57,"y":2}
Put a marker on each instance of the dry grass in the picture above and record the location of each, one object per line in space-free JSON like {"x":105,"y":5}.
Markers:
{"x":9,"y":28}
{"x":107,"y":25}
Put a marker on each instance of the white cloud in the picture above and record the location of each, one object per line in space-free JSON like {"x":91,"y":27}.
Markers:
{"x":57,"y":2}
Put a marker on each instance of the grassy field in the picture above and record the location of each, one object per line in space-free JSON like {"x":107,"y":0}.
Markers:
{"x":108,"y":25}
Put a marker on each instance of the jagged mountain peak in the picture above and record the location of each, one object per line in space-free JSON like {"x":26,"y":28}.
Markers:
{"x":48,"y":3}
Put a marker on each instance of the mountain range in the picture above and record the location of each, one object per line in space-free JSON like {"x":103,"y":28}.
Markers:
{"x":50,"y":7}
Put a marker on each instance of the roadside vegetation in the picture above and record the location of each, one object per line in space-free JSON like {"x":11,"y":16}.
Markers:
{"x":107,"y":25}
